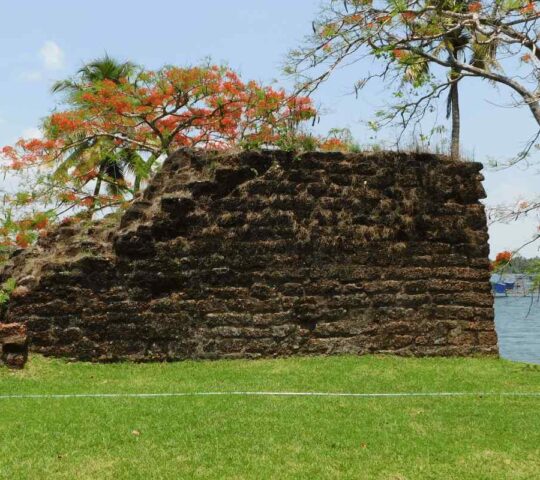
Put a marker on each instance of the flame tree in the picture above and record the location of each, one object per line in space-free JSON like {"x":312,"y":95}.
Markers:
{"x":121,"y":122}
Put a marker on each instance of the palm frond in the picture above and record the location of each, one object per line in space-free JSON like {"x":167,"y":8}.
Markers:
{"x":106,"y":68}
{"x":416,"y":71}
{"x":74,"y":158}
{"x":484,"y":54}
{"x":134,"y":163}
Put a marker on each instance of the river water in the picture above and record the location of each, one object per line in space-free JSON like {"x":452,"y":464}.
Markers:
{"x":519,"y":333}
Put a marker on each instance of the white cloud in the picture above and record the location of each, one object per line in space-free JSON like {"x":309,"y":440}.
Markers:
{"x":32,"y":132}
{"x":52,"y":55}
{"x":52,"y":58}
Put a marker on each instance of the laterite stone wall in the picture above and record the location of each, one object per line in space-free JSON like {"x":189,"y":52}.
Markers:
{"x":13,"y":345}
{"x":269,"y":254}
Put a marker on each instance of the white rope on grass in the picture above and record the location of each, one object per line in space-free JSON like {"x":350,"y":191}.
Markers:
{"x":270,"y":394}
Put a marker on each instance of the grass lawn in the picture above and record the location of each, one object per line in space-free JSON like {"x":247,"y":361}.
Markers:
{"x":239,"y":437}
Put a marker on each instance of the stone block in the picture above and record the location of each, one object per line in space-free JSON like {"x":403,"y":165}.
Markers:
{"x":13,"y":345}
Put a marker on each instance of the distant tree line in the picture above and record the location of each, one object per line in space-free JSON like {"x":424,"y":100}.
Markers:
{"x":520,"y":264}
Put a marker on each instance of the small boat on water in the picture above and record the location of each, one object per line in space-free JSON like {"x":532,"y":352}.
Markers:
{"x":511,"y":285}
{"x":499,"y":289}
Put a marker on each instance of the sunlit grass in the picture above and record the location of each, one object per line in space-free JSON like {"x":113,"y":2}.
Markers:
{"x":272,"y":437}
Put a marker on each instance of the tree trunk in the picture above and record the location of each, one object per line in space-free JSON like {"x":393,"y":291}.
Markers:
{"x":97,"y":189}
{"x":456,"y":121}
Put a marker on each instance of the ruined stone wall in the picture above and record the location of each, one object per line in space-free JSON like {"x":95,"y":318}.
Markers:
{"x":13,"y":345}
{"x":266,"y":254}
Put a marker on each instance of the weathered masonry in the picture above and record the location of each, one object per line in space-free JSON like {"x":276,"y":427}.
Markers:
{"x":268,"y":254}
{"x":13,"y":344}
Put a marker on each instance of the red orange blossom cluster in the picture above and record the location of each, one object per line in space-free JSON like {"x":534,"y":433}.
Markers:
{"x":161,"y":111}
{"x":132,"y":124}
{"x":501,"y":260}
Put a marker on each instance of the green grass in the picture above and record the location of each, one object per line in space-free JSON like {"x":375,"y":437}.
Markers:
{"x":272,"y":437}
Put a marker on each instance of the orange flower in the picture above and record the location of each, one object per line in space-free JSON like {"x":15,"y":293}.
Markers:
{"x":333,"y":145}
{"x":41,"y":223}
{"x":22,"y":240}
{"x":66,"y":121}
{"x":68,"y":197}
{"x":475,"y":7}
{"x":528,"y":9}
{"x":353,"y":19}
{"x":87,"y":202}
{"x":408,"y":16}
{"x":504,"y":256}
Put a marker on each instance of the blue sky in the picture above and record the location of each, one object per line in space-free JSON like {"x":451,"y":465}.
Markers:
{"x":44,"y":41}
